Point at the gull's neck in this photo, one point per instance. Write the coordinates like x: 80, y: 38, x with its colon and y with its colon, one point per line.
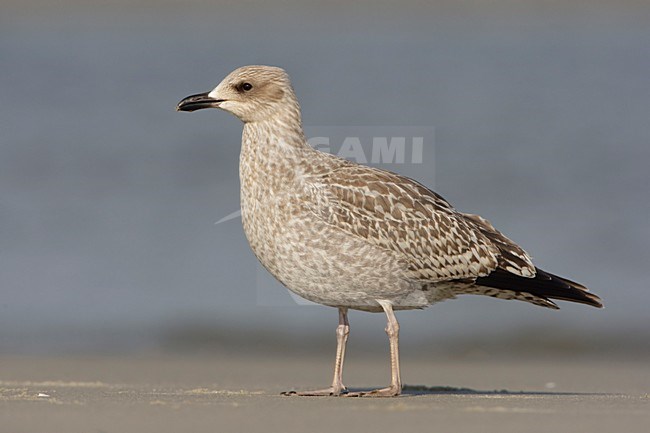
x: 278, y: 139
x: 273, y: 154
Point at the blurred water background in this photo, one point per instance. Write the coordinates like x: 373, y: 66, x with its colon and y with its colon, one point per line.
x: 108, y: 198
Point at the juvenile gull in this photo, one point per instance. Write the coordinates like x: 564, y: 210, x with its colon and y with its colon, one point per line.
x: 351, y: 236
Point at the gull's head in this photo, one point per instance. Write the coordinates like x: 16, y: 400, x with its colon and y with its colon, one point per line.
x: 252, y: 93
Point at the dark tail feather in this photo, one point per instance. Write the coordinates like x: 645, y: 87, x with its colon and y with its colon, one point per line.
x: 544, y: 285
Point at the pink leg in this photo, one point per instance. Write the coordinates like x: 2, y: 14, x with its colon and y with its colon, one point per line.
x: 337, y: 388
x: 392, y: 329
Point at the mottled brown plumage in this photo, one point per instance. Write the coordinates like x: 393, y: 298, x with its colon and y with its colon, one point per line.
x: 351, y: 236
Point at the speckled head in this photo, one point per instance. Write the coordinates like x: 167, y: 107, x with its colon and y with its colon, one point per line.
x: 252, y: 93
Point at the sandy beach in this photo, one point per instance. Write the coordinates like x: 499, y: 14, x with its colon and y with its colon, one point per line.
x: 165, y: 393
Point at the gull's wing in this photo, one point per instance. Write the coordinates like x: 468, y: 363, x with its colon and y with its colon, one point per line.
x: 394, y: 212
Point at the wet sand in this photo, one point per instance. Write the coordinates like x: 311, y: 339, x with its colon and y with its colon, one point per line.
x: 240, y: 393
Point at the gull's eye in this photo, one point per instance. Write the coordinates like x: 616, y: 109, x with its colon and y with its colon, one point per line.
x: 246, y: 87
